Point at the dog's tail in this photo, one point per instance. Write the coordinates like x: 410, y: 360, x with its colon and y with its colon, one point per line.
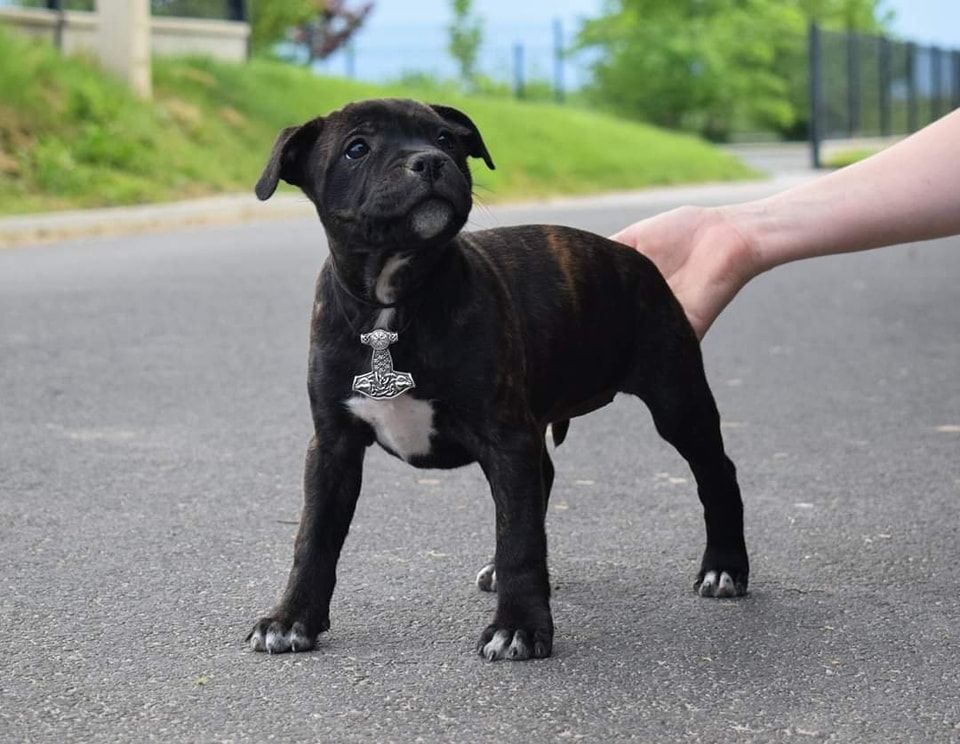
x: 559, y: 431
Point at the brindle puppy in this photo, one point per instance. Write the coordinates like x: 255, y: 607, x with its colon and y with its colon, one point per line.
x: 500, y: 333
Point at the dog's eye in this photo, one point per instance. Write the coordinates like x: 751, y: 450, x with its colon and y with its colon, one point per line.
x: 357, y: 149
x: 445, y: 139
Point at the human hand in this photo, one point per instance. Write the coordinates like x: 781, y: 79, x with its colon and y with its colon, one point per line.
x: 701, y: 253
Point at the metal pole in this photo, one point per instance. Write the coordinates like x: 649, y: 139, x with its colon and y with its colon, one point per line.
x: 518, y: 82
x: 883, y: 50
x: 813, y: 72
x: 936, y: 83
x: 351, y: 55
x: 559, y: 89
x: 911, y: 87
x: 956, y: 80
x: 853, y: 83
x: 57, y: 5
x: 236, y: 10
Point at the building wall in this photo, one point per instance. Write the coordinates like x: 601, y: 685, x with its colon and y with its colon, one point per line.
x: 225, y: 40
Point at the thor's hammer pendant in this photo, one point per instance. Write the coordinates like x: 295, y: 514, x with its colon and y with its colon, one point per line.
x: 382, y: 382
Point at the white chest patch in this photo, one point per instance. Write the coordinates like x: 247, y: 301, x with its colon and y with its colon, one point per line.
x: 403, y: 425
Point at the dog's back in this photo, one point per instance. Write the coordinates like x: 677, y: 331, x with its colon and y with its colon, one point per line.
x: 585, y: 306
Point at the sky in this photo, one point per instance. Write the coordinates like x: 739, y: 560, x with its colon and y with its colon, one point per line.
x: 925, y: 21
x: 411, y: 34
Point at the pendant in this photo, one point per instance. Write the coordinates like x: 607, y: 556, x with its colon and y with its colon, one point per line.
x: 382, y: 382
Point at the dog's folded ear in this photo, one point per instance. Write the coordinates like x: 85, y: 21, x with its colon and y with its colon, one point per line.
x: 468, y: 132
x: 286, y: 157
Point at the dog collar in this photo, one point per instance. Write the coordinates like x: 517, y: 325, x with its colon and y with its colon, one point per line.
x: 362, y: 300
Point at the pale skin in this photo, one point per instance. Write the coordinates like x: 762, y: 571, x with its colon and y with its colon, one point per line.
x: 907, y: 193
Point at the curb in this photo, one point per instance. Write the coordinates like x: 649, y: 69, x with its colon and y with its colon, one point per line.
x: 240, y: 208
x: 50, y: 227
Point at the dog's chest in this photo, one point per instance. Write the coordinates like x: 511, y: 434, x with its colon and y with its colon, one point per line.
x: 403, y: 425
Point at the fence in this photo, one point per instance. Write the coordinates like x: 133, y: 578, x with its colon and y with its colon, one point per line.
x: 228, y: 10
x: 527, y: 59
x: 72, y: 27
x: 863, y: 85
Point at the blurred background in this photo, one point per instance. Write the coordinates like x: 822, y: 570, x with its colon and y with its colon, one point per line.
x: 225, y: 74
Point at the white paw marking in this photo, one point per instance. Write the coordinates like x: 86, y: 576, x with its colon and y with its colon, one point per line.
x: 496, y: 645
x: 403, y: 425
x: 518, y: 649
x: 487, y: 578
x: 275, y: 642
x: 715, y: 585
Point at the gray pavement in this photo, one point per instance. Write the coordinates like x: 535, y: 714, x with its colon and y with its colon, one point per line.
x: 153, y: 418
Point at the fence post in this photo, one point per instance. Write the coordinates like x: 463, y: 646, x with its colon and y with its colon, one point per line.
x: 236, y: 10
x: 853, y: 82
x: 57, y: 5
x: 814, y: 73
x: 123, y: 41
x: 559, y: 89
x: 883, y: 50
x: 956, y: 79
x: 936, y: 82
x: 518, y: 81
x: 911, y: 87
x: 350, y: 58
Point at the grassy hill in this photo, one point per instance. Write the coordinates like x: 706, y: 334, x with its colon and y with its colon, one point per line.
x: 72, y: 136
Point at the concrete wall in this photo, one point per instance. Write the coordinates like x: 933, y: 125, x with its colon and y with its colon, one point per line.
x: 225, y: 40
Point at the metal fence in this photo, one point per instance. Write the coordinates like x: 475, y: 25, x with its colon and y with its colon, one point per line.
x: 527, y: 59
x: 232, y: 10
x: 873, y: 86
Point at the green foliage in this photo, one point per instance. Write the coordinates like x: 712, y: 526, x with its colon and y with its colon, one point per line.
x: 712, y: 66
x: 466, y: 35
x: 73, y: 136
x: 270, y: 19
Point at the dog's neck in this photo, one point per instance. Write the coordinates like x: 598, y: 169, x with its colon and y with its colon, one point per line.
x: 384, y: 277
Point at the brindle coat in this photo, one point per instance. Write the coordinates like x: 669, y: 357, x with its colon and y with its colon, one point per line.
x: 505, y: 331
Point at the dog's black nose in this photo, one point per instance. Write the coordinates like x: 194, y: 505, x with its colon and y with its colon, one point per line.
x: 427, y: 164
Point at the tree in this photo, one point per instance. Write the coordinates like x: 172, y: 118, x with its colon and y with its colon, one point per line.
x: 466, y: 35
x: 711, y: 66
x: 322, y: 25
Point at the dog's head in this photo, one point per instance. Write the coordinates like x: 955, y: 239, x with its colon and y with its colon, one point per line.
x: 381, y: 173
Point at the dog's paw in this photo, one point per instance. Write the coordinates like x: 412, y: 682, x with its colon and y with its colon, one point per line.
x: 721, y: 584
x: 514, y: 644
x: 276, y: 636
x: 487, y: 579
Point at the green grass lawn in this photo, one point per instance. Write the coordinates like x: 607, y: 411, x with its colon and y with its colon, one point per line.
x: 71, y: 136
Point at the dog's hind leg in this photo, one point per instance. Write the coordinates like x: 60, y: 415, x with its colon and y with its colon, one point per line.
x: 487, y: 576
x: 674, y: 387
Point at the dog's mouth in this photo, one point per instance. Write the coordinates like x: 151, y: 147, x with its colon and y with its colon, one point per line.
x: 431, y: 217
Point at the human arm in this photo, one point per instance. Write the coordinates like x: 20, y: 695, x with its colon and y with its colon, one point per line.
x: 908, y: 192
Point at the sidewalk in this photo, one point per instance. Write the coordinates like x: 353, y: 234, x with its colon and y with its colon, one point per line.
x: 238, y: 208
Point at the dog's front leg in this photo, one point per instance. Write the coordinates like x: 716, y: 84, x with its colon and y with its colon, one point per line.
x: 522, y: 627
x: 331, y: 486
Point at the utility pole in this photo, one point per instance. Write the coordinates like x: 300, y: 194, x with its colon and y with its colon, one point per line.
x: 123, y: 41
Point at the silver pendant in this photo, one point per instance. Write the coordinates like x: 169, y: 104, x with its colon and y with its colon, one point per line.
x: 382, y: 382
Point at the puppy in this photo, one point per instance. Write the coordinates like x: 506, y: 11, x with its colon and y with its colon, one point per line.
x: 447, y: 348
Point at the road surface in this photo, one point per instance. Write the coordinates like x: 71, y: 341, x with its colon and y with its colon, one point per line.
x: 153, y: 420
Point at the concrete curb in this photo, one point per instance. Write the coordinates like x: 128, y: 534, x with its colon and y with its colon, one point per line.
x: 82, y: 223
x: 238, y: 208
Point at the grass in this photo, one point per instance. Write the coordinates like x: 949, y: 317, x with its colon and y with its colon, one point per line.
x: 72, y: 136
x: 843, y: 158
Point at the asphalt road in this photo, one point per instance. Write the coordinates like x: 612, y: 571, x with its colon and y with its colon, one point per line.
x: 153, y: 419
